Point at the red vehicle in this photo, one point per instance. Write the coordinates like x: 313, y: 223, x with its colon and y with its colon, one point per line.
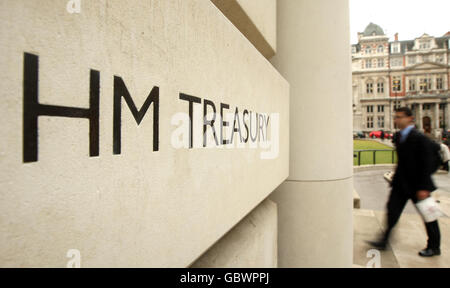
x: 377, y: 134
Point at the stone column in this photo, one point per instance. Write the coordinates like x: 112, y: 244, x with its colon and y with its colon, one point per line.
x: 436, y: 119
x: 419, y: 120
x: 447, y: 116
x: 315, y: 202
x: 391, y: 116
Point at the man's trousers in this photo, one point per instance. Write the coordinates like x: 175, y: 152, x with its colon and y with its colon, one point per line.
x: 396, y: 204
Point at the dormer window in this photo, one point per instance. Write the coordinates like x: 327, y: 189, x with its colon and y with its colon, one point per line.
x: 424, y: 45
x: 395, y: 48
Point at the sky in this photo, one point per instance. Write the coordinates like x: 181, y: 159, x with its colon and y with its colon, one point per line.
x: 409, y: 18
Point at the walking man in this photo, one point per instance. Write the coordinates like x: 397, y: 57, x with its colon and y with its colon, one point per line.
x: 412, y: 179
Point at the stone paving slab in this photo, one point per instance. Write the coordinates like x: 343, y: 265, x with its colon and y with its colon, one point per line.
x: 367, y: 227
x: 409, y: 236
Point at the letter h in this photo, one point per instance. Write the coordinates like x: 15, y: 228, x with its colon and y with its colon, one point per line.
x: 32, y: 110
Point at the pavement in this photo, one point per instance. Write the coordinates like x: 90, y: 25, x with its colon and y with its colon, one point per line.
x: 409, y: 236
x: 387, y: 142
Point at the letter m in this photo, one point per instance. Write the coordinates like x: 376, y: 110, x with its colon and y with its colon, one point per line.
x: 120, y: 90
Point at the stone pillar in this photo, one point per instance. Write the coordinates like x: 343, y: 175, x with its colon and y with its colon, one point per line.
x: 419, y: 117
x: 436, y: 119
x: 447, y: 116
x: 315, y: 202
x: 391, y: 116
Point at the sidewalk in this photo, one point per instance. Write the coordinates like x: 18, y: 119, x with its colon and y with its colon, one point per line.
x: 409, y: 236
x: 387, y: 142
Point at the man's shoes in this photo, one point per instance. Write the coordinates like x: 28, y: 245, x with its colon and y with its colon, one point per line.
x: 381, y: 245
x: 428, y: 252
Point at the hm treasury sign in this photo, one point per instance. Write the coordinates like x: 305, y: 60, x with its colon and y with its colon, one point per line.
x: 137, y: 132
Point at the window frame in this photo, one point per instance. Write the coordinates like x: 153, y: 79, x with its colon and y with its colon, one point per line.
x: 380, y: 87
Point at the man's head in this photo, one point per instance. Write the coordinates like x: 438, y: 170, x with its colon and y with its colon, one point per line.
x: 403, y: 117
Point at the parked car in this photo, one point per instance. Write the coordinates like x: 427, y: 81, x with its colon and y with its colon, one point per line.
x: 377, y: 134
x: 358, y: 135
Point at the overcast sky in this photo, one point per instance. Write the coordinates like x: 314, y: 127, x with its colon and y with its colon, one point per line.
x: 410, y: 18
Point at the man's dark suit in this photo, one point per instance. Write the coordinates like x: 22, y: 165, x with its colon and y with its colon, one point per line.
x: 413, y: 174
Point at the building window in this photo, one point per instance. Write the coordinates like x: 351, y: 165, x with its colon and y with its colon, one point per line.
x: 412, y: 85
x: 368, y: 50
x: 380, y: 87
x: 395, y: 48
x: 369, y: 122
x: 426, y: 58
x: 439, y: 84
x: 397, y: 104
x: 380, y: 122
x: 370, y: 109
x: 425, y: 85
x: 369, y: 63
x: 396, y: 62
x: 426, y: 107
x: 380, y: 63
x: 412, y: 60
x: 424, y: 45
x: 380, y: 49
x: 396, y: 84
x: 369, y: 88
x: 440, y: 58
x: 380, y: 108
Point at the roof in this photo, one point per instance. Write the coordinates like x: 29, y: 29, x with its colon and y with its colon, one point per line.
x: 373, y: 30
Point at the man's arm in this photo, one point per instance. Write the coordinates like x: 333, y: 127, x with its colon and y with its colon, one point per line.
x: 425, y: 167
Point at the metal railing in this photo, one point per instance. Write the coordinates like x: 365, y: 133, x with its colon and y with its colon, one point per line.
x: 357, y: 154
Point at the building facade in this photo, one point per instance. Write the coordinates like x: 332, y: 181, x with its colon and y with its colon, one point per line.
x: 389, y: 74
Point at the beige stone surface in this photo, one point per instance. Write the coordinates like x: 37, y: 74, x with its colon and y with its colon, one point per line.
x: 256, y: 19
x: 315, y: 204
x: 252, y: 243
x: 367, y: 228
x: 314, y: 227
x: 320, y: 81
x: 140, y: 208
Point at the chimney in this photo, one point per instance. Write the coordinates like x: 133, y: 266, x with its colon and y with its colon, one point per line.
x: 359, y: 36
x: 396, y: 36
